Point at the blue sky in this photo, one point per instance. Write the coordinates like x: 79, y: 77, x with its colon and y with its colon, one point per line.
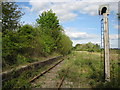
x: 80, y: 20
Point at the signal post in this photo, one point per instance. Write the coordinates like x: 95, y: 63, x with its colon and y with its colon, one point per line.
x: 104, y: 11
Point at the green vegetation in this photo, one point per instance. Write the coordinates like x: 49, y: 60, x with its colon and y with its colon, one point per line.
x: 85, y: 70
x: 17, y: 43
x: 21, y: 80
x: 64, y: 45
x: 22, y: 44
x: 56, y: 40
x: 11, y: 15
x: 88, y: 47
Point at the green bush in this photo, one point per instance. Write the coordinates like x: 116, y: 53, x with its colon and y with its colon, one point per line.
x: 17, y: 42
x: 64, y: 44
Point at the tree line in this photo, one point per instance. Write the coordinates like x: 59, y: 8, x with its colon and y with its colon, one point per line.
x: 88, y: 47
x: 22, y: 42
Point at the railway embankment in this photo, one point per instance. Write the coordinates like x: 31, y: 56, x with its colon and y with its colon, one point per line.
x: 7, y: 75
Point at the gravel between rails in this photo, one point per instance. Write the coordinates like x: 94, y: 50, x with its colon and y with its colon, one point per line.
x: 50, y: 79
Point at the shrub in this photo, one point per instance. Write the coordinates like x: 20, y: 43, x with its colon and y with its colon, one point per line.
x: 17, y: 42
x: 64, y: 44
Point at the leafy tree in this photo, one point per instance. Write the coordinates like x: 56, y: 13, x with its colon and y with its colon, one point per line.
x: 48, y: 19
x: 50, y: 27
x: 49, y: 23
x: 11, y: 15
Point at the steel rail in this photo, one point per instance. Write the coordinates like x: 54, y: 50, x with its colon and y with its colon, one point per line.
x: 44, y: 72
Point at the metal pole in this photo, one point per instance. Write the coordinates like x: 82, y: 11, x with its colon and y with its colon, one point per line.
x: 106, y: 48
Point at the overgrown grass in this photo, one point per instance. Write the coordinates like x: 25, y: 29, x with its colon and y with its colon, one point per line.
x: 22, y: 81
x: 22, y: 60
x: 85, y: 70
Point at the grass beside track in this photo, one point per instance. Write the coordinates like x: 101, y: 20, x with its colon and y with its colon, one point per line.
x: 22, y: 81
x: 25, y: 61
x: 85, y: 70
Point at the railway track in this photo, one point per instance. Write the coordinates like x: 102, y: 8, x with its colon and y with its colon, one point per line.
x: 49, y: 69
x: 44, y: 72
x: 61, y: 82
x: 63, y: 78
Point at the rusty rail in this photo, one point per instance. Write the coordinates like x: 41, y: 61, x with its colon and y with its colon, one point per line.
x: 62, y: 80
x: 44, y: 72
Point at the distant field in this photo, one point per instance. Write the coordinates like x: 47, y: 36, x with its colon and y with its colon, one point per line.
x: 85, y: 70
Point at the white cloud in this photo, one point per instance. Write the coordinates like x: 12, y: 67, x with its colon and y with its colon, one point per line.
x: 117, y: 27
x: 37, y: 6
x: 26, y: 8
x: 62, y: 0
x: 75, y: 0
x: 81, y: 37
x: 61, y: 9
x: 67, y: 17
x: 65, y: 10
x: 114, y: 36
x: 75, y: 34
